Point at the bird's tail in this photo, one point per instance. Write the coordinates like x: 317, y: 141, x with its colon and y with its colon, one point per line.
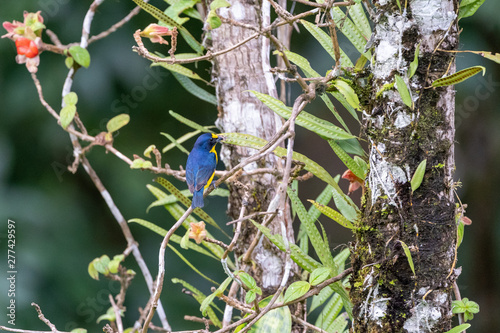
x: 198, y: 199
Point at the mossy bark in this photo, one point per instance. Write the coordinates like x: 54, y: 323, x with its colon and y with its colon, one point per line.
x: 387, y: 296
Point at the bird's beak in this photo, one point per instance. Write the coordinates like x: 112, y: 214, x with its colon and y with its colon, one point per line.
x: 220, y: 138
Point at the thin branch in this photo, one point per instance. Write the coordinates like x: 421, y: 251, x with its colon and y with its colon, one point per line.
x: 42, y: 318
x: 142, y: 51
x: 161, y: 268
x: 116, y: 26
x: 117, y: 312
x: 308, y: 325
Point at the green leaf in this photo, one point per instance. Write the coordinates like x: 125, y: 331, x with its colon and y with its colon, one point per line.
x: 187, y: 262
x: 418, y: 176
x: 179, y: 69
x: 306, y: 120
x: 348, y: 161
x: 459, y: 328
x: 339, y: 324
x: 460, y: 232
x: 93, y: 271
x: 186, y: 202
x: 326, y: 42
x: 174, y: 238
x: 67, y: 115
x: 468, y: 8
x: 334, y: 215
x: 247, y: 280
x: 322, y: 250
x: 249, y: 141
x: 250, y: 296
x: 458, y: 77
x: 178, y: 7
x: 216, y: 4
x: 414, y: 63
x: 177, y: 144
x: 80, y: 55
x: 199, y: 297
x: 79, y: 330
x: 69, y: 63
x: 346, y: 90
x: 185, y: 240
x: 117, y: 122
x: 358, y: 16
x: 109, y: 316
x: 209, y: 299
x: 139, y: 163
x: 321, y: 298
x: 330, y: 312
x: 408, y: 256
x: 277, y: 320
x: 345, y: 204
x: 298, y: 256
x: 350, y: 30
x: 303, y: 63
x: 189, y: 123
x: 70, y: 98
x: 180, y: 140
x: 323, y: 199
x: 403, y: 91
x: 319, y: 275
x: 160, y: 16
x: 194, y: 89
x: 296, y: 290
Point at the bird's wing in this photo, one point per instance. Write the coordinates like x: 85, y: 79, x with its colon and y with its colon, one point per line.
x: 190, y: 170
x: 205, y: 171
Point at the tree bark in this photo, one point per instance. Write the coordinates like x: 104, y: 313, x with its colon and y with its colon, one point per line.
x: 387, y: 296
x: 248, y: 68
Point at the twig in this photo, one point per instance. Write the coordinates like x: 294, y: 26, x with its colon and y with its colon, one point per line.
x: 161, y: 268
x: 308, y: 325
x: 116, y: 26
x: 456, y: 291
x: 248, y: 217
x: 117, y: 312
x: 42, y: 318
x: 142, y: 51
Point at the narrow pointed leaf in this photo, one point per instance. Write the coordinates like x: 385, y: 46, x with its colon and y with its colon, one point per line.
x: 322, y: 250
x: 194, y: 89
x: 418, y: 176
x: 458, y: 77
x: 177, y: 144
x: 408, y: 256
x: 358, y: 16
x: 334, y: 215
x: 180, y: 70
x: 180, y: 140
x: 349, y: 94
x: 250, y: 141
x: 329, y: 312
x: 306, y: 120
x: 403, y: 91
x: 189, y: 123
x: 348, y: 161
x: 350, y: 30
x: 193, y: 267
x: 326, y: 42
x: 459, y: 328
x: 414, y: 63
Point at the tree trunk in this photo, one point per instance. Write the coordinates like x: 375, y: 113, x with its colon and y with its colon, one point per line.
x: 387, y: 296
x: 248, y: 68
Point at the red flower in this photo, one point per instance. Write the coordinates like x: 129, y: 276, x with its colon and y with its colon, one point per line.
x: 155, y: 32
x: 26, y: 47
x: 355, y: 181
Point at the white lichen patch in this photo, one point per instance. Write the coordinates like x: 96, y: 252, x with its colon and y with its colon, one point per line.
x: 388, y: 51
x: 384, y: 175
x: 403, y: 119
x: 426, y: 314
x: 432, y: 15
x: 374, y: 308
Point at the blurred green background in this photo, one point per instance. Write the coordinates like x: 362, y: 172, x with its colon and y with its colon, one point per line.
x: 62, y: 222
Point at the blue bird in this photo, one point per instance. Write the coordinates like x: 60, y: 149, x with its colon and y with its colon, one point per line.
x: 200, y: 166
